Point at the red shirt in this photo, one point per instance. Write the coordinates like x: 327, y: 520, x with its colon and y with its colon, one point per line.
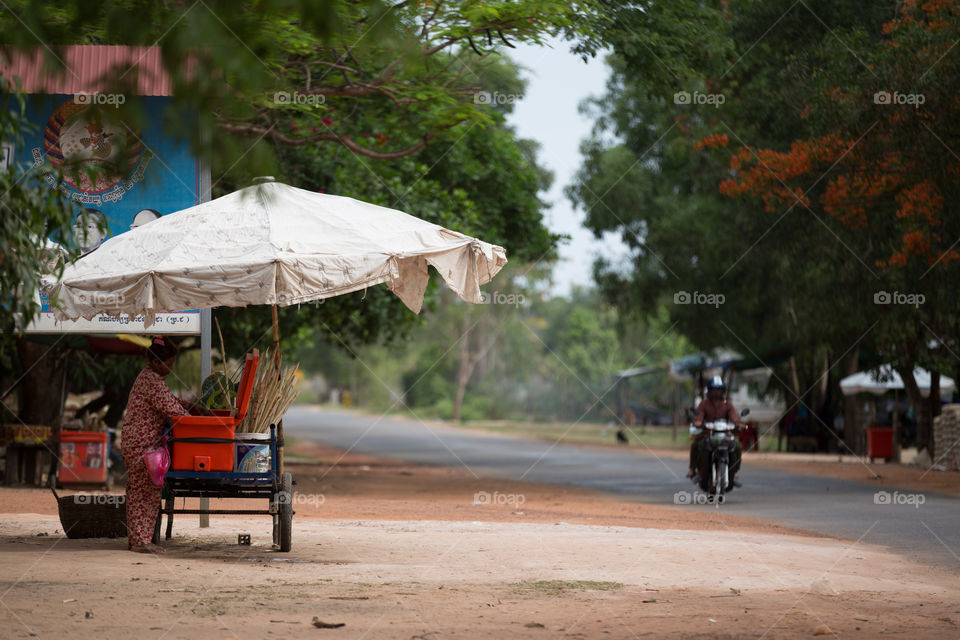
x: 708, y: 412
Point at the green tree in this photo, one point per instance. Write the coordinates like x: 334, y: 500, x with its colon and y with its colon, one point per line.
x: 881, y: 129
x: 32, y: 214
x: 765, y: 280
x: 303, y: 73
x: 479, y: 181
x: 377, y: 80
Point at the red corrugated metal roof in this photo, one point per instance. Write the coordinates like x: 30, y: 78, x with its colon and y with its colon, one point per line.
x: 88, y: 68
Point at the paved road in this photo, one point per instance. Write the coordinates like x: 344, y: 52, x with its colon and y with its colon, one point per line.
x: 929, y: 532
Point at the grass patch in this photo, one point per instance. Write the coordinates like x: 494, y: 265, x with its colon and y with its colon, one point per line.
x: 640, y: 437
x: 560, y: 587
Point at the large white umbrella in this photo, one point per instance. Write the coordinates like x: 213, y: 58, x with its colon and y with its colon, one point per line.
x: 886, y: 379
x: 270, y: 244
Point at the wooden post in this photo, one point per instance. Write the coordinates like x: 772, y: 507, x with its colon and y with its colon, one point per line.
x: 896, y: 426
x: 676, y: 409
x: 276, y: 358
x: 13, y: 465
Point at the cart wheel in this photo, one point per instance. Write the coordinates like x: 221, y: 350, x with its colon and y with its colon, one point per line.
x: 286, y: 513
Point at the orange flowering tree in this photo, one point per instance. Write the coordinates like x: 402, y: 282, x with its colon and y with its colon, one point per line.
x: 804, y: 173
x: 892, y: 156
x: 882, y: 171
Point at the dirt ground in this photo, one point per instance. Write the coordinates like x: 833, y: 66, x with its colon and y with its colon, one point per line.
x: 393, y: 550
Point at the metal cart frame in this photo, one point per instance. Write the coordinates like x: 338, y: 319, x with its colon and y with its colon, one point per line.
x: 275, y: 486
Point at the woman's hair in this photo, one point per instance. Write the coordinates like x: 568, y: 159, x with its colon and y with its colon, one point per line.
x: 161, y: 349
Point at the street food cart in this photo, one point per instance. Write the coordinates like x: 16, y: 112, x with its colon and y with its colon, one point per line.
x: 270, y: 244
x: 209, y: 459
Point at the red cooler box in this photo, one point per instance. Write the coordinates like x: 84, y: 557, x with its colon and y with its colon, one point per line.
x: 83, y: 457
x: 195, y: 446
x: 202, y: 456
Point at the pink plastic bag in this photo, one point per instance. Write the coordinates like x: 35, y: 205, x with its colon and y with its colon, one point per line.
x: 158, y: 463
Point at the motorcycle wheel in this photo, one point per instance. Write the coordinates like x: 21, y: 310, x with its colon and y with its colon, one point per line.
x: 718, y: 485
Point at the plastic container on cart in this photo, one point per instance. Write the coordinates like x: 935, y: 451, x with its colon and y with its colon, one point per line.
x: 83, y: 457
x: 205, y: 443
x: 203, y: 456
x: 252, y: 453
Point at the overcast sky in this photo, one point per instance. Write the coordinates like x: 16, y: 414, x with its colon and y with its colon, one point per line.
x: 557, y: 81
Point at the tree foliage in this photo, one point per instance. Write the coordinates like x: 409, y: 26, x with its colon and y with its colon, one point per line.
x: 338, y: 96
x: 32, y: 213
x: 282, y: 79
x: 304, y: 73
x: 481, y: 181
x: 522, y: 354
x: 744, y: 187
x: 878, y: 152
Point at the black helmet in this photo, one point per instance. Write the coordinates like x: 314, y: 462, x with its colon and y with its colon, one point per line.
x: 716, y: 382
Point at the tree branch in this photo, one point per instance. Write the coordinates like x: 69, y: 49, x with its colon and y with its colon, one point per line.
x: 345, y: 140
x: 426, y: 23
x: 443, y: 45
x: 333, y: 65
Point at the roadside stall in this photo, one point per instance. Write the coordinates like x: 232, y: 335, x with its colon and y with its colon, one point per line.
x: 27, y: 453
x: 266, y: 244
x: 226, y: 455
x: 883, y: 442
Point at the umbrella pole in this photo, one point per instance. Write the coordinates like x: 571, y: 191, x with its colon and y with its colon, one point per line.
x: 276, y: 333
x: 276, y: 361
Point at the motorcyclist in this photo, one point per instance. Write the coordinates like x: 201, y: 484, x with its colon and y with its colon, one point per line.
x: 714, y: 407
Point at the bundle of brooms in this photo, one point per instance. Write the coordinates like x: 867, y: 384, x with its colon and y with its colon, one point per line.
x: 273, y: 393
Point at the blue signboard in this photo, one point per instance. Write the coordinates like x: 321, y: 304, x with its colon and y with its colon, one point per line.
x: 163, y: 176
x: 78, y: 134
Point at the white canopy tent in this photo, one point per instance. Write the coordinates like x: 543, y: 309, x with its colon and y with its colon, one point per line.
x: 270, y: 244
x: 886, y: 379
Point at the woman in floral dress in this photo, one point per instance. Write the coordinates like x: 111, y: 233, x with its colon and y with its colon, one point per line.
x: 150, y: 404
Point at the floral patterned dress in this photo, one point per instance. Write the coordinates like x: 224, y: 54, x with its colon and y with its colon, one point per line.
x: 150, y: 404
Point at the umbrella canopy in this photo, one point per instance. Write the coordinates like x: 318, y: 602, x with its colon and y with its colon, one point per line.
x: 870, y: 382
x: 270, y: 244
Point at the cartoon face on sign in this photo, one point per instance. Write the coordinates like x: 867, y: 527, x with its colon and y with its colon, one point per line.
x: 88, y: 144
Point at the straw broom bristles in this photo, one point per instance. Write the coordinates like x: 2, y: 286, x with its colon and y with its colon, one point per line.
x: 273, y: 393
x: 226, y: 376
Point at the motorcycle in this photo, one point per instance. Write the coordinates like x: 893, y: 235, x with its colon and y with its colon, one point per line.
x: 718, y: 448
